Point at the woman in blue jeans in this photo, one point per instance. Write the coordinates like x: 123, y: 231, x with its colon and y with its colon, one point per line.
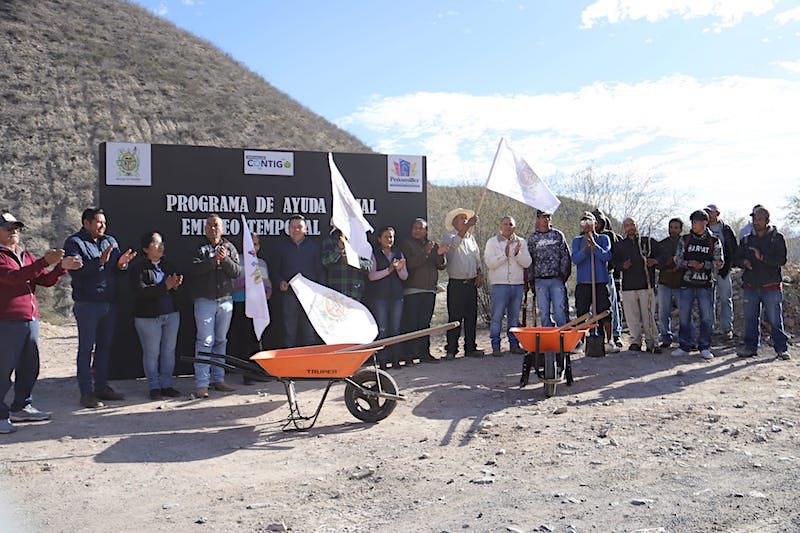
x: 156, y: 317
x: 385, y: 293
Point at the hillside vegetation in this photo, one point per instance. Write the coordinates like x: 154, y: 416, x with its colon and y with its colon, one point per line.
x: 76, y: 73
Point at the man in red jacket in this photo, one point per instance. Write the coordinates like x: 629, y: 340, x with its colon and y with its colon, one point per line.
x: 20, y: 273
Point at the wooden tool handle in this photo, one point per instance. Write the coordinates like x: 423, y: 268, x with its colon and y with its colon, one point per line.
x: 575, y: 322
x: 388, y: 341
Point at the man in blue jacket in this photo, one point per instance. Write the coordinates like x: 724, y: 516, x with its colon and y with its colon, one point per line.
x: 592, y: 249
x: 94, y: 291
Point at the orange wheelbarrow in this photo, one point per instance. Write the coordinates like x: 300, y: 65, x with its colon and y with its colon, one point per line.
x: 370, y: 393
x: 549, y: 348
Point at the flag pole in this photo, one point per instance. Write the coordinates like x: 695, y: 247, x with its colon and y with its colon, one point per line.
x: 483, y: 194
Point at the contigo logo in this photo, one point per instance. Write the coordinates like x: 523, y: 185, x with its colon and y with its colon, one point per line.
x: 269, y: 163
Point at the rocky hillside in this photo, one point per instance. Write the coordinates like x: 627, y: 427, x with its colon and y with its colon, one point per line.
x: 76, y: 73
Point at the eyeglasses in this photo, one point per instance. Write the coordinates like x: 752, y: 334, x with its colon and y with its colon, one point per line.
x: 157, y: 244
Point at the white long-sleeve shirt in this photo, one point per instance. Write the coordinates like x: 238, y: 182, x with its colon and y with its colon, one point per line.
x: 506, y: 269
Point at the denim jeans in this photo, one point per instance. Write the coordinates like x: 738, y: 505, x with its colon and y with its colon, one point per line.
x: 506, y: 301
x: 19, y: 353
x: 158, y: 337
x: 417, y: 313
x: 212, y: 318
x: 771, y: 302
x: 688, y: 296
x: 388, y: 314
x: 723, y: 296
x: 96, y: 321
x: 665, y: 325
x: 551, y: 294
x: 613, y: 297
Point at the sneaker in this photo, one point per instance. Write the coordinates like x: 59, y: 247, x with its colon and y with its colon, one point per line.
x: 679, y: 352
x: 519, y: 350
x: 612, y: 347
x: 221, y: 386
x: 169, y: 392
x: 155, y: 394
x: 476, y: 353
x: 728, y: 335
x: 6, y: 426
x: 428, y: 358
x: 747, y: 353
x: 497, y: 353
x: 108, y: 394
x: 617, y: 342
x: 201, y: 392
x: 29, y: 414
x: 90, y: 401
x: 635, y: 347
x: 666, y: 345
x: 783, y: 356
x: 706, y: 354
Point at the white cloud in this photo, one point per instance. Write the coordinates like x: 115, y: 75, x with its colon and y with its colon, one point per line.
x: 729, y: 12
x: 791, y: 66
x: 792, y: 15
x: 728, y: 140
x: 162, y: 10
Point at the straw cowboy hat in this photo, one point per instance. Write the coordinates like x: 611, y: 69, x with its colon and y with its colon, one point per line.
x: 448, y: 219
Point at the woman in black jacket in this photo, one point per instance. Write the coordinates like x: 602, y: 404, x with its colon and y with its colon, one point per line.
x: 154, y: 281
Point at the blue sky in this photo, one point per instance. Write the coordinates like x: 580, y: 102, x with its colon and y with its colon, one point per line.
x: 702, y: 93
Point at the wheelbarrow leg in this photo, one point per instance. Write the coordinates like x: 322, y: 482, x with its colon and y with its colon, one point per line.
x: 527, y: 363
x: 568, y: 368
x: 295, y: 416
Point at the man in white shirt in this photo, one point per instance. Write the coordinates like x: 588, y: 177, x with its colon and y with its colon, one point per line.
x: 506, y: 256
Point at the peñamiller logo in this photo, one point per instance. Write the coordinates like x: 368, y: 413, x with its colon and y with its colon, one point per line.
x: 404, y: 173
x: 269, y: 163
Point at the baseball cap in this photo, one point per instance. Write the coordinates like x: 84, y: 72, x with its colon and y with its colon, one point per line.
x: 539, y: 213
x: 711, y: 207
x: 8, y: 221
x: 757, y: 206
x: 588, y: 216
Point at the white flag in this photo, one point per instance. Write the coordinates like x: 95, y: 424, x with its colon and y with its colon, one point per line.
x: 512, y: 176
x: 255, y: 304
x: 337, y: 318
x: 347, y: 216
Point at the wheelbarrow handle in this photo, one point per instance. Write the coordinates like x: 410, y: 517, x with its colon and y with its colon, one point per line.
x: 592, y: 320
x: 576, y: 321
x: 388, y: 341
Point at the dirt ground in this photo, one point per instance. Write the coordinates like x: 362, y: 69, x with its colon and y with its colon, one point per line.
x: 639, y: 442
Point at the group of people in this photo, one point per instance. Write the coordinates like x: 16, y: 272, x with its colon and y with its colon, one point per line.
x: 649, y: 277
x: 398, y: 282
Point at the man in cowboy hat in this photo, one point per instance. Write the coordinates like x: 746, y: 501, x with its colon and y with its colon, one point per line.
x: 464, y: 269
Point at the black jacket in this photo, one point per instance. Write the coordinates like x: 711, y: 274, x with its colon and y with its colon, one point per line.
x: 147, y: 294
x: 637, y: 277
x: 214, y: 280
x: 766, y: 272
x: 729, y: 248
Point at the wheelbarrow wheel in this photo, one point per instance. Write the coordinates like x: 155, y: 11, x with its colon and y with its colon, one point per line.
x: 366, y: 407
